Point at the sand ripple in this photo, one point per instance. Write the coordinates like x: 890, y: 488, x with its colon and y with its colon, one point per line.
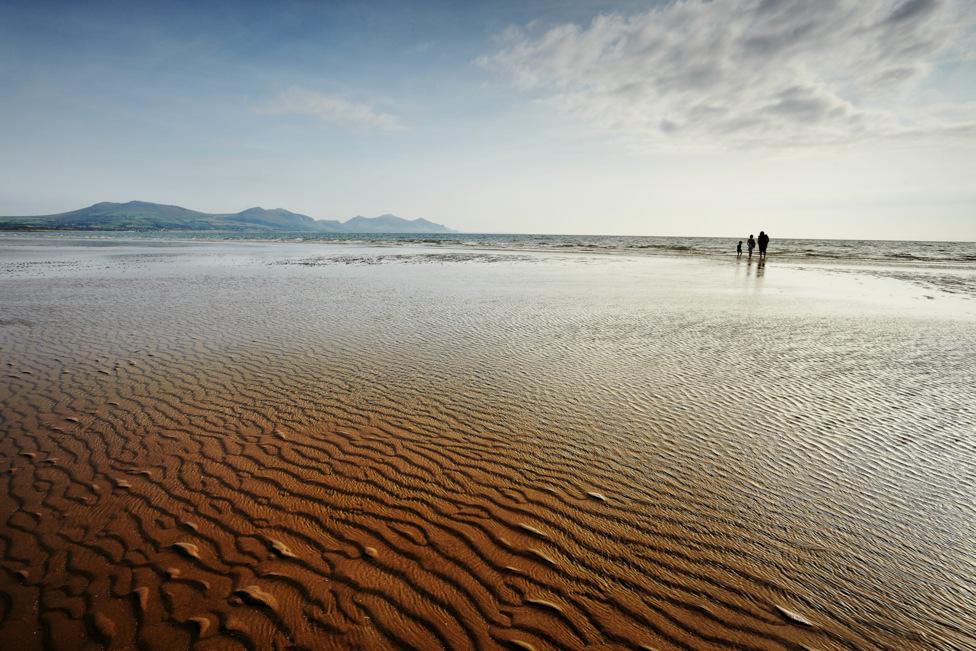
x: 289, y: 458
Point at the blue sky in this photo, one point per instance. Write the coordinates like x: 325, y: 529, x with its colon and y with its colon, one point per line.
x: 836, y: 118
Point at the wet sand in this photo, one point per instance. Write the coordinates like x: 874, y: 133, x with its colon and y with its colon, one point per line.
x: 225, y: 446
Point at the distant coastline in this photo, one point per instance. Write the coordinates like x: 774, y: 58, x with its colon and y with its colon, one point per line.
x: 147, y: 216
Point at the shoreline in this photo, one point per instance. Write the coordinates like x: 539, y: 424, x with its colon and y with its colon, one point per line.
x: 413, y: 241
x: 952, y: 279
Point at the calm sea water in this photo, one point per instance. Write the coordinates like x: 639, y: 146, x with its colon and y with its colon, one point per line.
x: 888, y: 251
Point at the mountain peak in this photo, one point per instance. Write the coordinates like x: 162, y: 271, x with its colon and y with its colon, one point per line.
x: 389, y: 223
x: 144, y: 215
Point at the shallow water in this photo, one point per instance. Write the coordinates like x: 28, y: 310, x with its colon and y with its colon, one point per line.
x: 813, y: 250
x: 248, y: 445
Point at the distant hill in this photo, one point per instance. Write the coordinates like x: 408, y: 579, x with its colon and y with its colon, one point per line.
x: 392, y: 224
x: 145, y: 216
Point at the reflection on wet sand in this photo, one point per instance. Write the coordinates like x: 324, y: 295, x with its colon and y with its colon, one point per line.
x: 754, y: 267
x: 760, y: 267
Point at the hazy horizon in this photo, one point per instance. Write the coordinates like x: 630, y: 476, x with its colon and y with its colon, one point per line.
x: 732, y: 238
x: 839, y: 120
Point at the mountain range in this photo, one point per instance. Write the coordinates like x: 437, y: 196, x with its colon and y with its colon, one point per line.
x: 145, y: 216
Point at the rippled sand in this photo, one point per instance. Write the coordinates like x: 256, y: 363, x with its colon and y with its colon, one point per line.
x: 309, y: 446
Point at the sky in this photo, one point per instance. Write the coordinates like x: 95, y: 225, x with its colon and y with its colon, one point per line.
x: 834, y: 118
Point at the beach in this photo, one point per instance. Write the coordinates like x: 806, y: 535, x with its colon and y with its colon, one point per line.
x: 225, y: 445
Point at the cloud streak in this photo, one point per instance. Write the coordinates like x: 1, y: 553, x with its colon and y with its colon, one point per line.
x: 744, y: 72
x: 328, y: 108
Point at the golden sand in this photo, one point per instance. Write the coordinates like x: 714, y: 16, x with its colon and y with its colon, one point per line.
x: 204, y: 448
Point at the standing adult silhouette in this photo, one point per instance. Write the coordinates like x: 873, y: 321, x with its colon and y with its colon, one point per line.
x: 763, y: 243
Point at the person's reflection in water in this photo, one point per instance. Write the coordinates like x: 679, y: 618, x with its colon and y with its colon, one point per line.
x: 761, y: 268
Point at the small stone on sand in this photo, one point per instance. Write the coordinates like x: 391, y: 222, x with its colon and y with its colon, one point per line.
x: 545, y: 604
x: 104, y: 626
x: 281, y: 549
x: 187, y: 549
x: 793, y: 616
x: 142, y: 597
x: 255, y: 596
x: 531, y: 529
x: 202, y: 624
x: 538, y: 553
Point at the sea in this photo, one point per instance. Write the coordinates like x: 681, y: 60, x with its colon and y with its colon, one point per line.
x: 811, y: 250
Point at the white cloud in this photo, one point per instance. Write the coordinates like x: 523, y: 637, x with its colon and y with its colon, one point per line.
x: 299, y: 101
x: 746, y: 72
